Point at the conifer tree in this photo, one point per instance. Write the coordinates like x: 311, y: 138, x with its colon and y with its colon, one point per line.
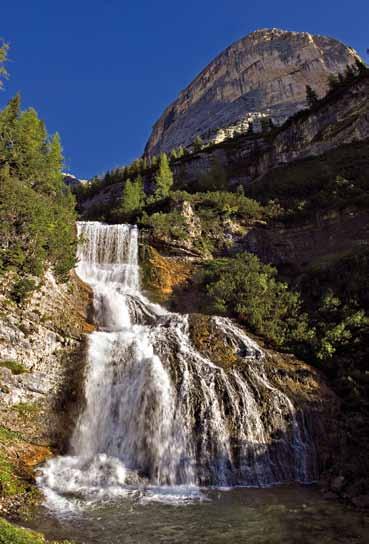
x: 37, y: 212
x: 133, y: 197
x: 55, y: 158
x: 198, y: 144
x: 163, y: 178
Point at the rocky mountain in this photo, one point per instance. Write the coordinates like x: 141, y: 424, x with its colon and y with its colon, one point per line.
x: 340, y: 119
x: 263, y: 74
x: 71, y: 180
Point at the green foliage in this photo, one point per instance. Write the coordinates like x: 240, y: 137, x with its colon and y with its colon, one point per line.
x: 163, y: 179
x: 337, y: 300
x: 21, y: 289
x: 10, y: 484
x: 211, y: 209
x: 37, y: 212
x: 198, y: 144
x: 231, y: 204
x: 133, y: 198
x: 26, y: 409
x: 165, y: 225
x: 246, y: 288
x: 15, y: 367
x: 334, y: 180
x: 11, y: 534
x: 337, y: 87
x: 177, y: 153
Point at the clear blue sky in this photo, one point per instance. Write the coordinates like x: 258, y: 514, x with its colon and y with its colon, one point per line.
x: 101, y: 71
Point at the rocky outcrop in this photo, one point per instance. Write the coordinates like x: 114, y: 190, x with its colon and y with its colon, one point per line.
x: 324, y: 238
x: 41, y: 379
x: 41, y: 345
x: 266, y: 72
x: 342, y: 120
x: 162, y: 275
x: 72, y: 181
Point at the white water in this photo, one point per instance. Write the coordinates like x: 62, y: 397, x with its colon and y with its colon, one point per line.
x: 160, y: 418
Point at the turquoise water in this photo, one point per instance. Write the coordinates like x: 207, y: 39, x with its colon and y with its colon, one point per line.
x: 288, y: 515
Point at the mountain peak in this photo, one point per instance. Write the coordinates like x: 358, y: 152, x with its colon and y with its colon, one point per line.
x: 263, y: 74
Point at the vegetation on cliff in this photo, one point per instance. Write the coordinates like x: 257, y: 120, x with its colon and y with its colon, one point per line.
x: 334, y: 180
x: 37, y: 211
x: 249, y: 290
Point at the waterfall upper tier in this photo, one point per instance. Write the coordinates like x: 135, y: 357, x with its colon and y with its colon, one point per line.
x: 158, y: 410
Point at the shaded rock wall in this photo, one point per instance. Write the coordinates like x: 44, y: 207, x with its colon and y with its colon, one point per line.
x: 245, y: 159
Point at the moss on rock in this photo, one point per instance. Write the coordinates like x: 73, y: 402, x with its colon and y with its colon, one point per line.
x: 12, y: 534
x: 15, y: 367
x: 162, y: 275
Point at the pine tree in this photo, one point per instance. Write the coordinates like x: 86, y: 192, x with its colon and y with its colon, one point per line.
x: 133, y: 197
x: 180, y: 152
x: 163, y: 179
x: 55, y: 158
x: 37, y: 212
x: 312, y: 97
x: 177, y: 153
x: 198, y: 144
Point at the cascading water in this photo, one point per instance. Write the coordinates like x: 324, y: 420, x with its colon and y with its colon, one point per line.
x: 160, y: 413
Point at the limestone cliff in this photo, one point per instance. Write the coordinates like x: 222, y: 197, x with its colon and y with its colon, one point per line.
x: 341, y: 120
x: 41, y: 377
x: 264, y: 73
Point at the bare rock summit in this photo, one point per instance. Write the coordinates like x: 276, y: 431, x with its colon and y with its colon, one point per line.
x: 265, y: 73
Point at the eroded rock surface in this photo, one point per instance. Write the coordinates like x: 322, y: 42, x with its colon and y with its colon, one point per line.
x: 264, y: 73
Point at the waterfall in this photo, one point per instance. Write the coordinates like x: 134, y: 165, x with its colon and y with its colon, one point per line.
x: 160, y: 413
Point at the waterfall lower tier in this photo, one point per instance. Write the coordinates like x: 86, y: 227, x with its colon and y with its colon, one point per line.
x: 158, y: 411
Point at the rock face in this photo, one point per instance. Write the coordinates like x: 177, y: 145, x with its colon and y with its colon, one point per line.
x: 264, y: 73
x: 343, y: 120
x: 41, y: 358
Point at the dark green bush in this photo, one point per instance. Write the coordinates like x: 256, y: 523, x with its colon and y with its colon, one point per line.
x: 249, y: 290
